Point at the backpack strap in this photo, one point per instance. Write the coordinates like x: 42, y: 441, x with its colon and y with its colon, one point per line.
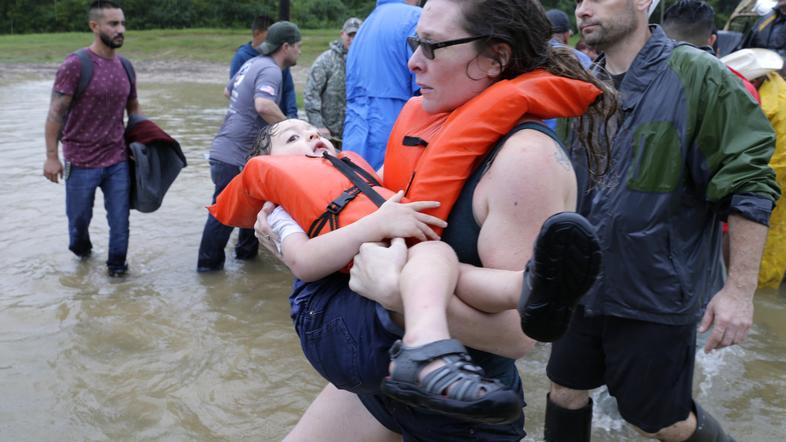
x: 85, y: 71
x: 129, y: 70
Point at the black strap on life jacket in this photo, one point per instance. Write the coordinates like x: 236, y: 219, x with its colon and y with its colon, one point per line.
x: 362, y: 182
x: 414, y: 141
x: 351, y: 171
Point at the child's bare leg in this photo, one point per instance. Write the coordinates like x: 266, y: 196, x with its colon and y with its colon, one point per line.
x: 427, y: 283
x: 429, y: 369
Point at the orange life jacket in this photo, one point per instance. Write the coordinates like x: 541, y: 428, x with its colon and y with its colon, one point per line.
x: 431, y: 156
x: 308, y: 188
x: 317, y: 195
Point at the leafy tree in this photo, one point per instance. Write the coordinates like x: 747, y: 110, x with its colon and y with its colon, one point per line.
x: 25, y: 16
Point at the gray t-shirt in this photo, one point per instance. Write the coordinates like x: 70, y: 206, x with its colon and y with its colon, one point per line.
x: 258, y: 77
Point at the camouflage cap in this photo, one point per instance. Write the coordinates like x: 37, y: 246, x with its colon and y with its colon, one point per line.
x: 351, y: 25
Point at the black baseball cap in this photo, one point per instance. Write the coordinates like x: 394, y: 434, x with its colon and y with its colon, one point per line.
x: 279, y: 33
x: 559, y: 21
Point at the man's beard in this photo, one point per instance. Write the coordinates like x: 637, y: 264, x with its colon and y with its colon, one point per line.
x: 612, y: 32
x: 109, y: 42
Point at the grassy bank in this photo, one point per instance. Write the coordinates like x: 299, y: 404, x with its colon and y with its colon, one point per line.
x: 202, y: 45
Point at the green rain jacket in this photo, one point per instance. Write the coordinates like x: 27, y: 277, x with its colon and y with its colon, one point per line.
x: 691, y: 146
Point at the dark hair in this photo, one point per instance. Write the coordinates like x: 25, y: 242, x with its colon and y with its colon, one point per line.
x: 691, y: 21
x: 523, y: 25
x: 261, y: 23
x: 264, y: 141
x: 95, y: 8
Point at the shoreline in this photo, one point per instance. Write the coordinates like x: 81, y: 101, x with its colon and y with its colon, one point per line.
x: 152, y: 71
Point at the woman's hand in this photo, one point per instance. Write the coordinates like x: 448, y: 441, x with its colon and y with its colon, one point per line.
x: 375, y: 273
x: 262, y: 229
x: 405, y: 220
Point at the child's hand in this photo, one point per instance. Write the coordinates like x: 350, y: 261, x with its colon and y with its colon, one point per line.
x: 404, y: 220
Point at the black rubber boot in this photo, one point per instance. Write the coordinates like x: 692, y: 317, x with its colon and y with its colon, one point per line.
x: 564, y: 265
x: 707, y: 428
x: 564, y: 425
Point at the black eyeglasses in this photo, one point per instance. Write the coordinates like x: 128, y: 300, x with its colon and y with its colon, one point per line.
x: 428, y: 47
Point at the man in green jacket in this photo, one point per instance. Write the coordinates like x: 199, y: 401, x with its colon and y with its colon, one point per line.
x: 689, y: 147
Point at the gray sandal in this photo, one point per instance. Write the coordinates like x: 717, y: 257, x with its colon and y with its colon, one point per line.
x: 457, y: 389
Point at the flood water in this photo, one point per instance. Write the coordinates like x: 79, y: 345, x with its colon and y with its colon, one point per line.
x: 168, y: 354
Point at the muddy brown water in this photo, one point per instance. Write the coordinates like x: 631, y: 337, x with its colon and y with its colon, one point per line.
x: 168, y: 354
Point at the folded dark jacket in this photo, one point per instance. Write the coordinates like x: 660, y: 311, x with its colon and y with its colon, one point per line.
x: 156, y: 161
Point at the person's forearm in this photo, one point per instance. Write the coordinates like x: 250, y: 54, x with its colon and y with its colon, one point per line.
x: 489, y: 290
x: 55, y: 120
x: 497, y: 333
x: 747, y: 239
x: 51, y: 135
x: 318, y: 257
x: 133, y: 107
x: 269, y: 111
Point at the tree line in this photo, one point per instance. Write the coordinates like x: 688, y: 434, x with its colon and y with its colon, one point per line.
x: 25, y: 16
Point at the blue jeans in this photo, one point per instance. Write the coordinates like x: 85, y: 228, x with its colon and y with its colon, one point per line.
x: 115, y: 184
x: 216, y: 235
x: 346, y: 339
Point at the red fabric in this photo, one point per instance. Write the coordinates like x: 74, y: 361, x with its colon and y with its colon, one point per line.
x: 748, y: 85
x: 147, y: 132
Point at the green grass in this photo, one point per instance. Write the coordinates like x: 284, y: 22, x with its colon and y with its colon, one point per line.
x: 203, y: 45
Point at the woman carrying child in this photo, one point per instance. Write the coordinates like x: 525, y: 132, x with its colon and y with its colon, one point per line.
x: 462, y: 48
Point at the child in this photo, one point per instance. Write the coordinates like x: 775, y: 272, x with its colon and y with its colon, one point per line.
x: 427, y: 282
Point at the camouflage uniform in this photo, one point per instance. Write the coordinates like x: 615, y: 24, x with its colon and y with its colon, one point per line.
x: 325, y: 95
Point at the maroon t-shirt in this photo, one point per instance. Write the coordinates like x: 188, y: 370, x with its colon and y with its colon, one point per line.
x: 93, y: 133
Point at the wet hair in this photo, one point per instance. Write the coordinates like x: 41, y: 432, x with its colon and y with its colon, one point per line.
x: 690, y: 21
x: 524, y: 27
x: 261, y: 23
x: 95, y: 10
x: 263, y: 144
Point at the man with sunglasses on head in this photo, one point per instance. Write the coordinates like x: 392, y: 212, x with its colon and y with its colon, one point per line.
x: 378, y: 80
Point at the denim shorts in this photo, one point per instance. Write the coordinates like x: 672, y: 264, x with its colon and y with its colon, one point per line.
x: 346, y: 339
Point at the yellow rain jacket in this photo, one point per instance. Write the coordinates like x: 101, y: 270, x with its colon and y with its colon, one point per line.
x: 773, y: 103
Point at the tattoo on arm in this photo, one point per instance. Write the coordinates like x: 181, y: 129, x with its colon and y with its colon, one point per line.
x: 562, y: 158
x: 58, y: 108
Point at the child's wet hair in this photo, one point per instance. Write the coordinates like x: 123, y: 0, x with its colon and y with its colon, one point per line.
x: 264, y: 140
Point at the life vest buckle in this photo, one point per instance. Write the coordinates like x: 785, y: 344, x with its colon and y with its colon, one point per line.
x: 337, y: 205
